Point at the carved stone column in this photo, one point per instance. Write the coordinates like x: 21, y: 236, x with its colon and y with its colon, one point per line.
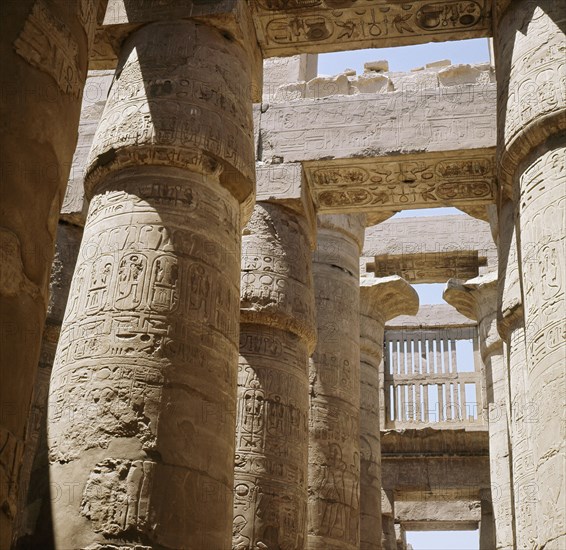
x: 143, y: 393
x: 44, y: 56
x: 334, y: 423
x: 532, y: 147
x: 477, y: 300
x: 380, y: 300
x: 522, y: 414
x: 34, y: 521
x: 277, y: 337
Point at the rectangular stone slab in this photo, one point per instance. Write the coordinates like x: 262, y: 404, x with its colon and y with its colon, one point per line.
x: 287, y: 27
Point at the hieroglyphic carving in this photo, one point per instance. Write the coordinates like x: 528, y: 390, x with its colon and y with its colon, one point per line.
x: 418, y: 182
x: 334, y: 444
x: 543, y: 243
x: 46, y: 43
x: 331, y: 25
x: 413, y: 119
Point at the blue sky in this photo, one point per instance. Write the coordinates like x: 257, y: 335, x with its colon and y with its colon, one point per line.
x: 405, y: 59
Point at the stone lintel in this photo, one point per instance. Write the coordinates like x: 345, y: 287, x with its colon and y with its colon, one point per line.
x: 286, y: 185
x: 408, y: 181
x: 432, y: 267
x: 339, y: 25
x: 427, y: 515
x: 231, y: 17
x: 431, y: 316
x: 413, y: 114
x: 387, y: 297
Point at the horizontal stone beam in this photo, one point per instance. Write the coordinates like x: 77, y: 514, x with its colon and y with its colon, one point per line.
x: 431, y: 234
x: 431, y: 316
x: 432, y: 267
x: 287, y: 27
x: 427, y: 515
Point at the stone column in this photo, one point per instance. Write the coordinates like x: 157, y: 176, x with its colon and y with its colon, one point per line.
x: 143, y: 392
x: 487, y: 523
x: 532, y: 147
x: 388, y: 536
x: 334, y: 423
x: 477, y: 300
x: 277, y: 337
x: 380, y: 300
x: 44, y: 56
x: 34, y: 521
x: 521, y: 413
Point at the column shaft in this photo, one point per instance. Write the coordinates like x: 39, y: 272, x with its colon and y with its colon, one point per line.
x: 334, y: 423
x: 44, y: 56
x: 532, y: 147
x: 277, y: 335
x: 143, y: 393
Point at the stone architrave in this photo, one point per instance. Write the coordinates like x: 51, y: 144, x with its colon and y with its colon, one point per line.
x: 531, y: 67
x: 477, y: 299
x: 143, y: 392
x: 277, y: 337
x: 380, y: 300
x: 337, y: 25
x: 44, y: 57
x: 334, y: 420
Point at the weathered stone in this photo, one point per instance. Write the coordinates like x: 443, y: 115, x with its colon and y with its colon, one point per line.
x: 337, y: 25
x: 334, y: 421
x: 44, y: 56
x: 437, y: 515
x: 285, y: 71
x: 531, y: 69
x: 380, y: 300
x: 477, y: 299
x: 277, y: 336
x: 151, y: 327
x: 381, y: 66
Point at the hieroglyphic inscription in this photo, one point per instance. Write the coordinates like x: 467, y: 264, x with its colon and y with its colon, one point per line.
x: 331, y: 25
x: 47, y: 44
x: 271, y: 435
x: 430, y: 119
x: 418, y: 182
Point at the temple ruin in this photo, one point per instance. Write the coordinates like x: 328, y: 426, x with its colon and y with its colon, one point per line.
x: 210, y: 334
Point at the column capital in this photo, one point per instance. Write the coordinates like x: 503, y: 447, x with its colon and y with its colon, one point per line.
x: 285, y: 184
x: 477, y: 300
x: 167, y: 107
x: 385, y: 298
x: 351, y: 225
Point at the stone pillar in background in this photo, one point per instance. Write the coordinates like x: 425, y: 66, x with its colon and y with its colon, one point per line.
x: 277, y: 337
x: 487, y: 522
x: 44, y: 56
x: 477, y: 300
x: 33, y: 525
x: 334, y: 423
x: 388, y: 536
x: 532, y: 147
x: 380, y: 300
x: 143, y: 391
x: 521, y: 413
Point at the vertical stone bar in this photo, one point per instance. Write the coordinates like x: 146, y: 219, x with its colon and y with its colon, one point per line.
x: 522, y: 415
x: 334, y: 423
x: 388, y: 536
x: 380, y: 300
x: 143, y: 393
x: 277, y: 337
x: 44, y: 56
x: 487, y: 523
x: 477, y: 300
x: 532, y: 146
